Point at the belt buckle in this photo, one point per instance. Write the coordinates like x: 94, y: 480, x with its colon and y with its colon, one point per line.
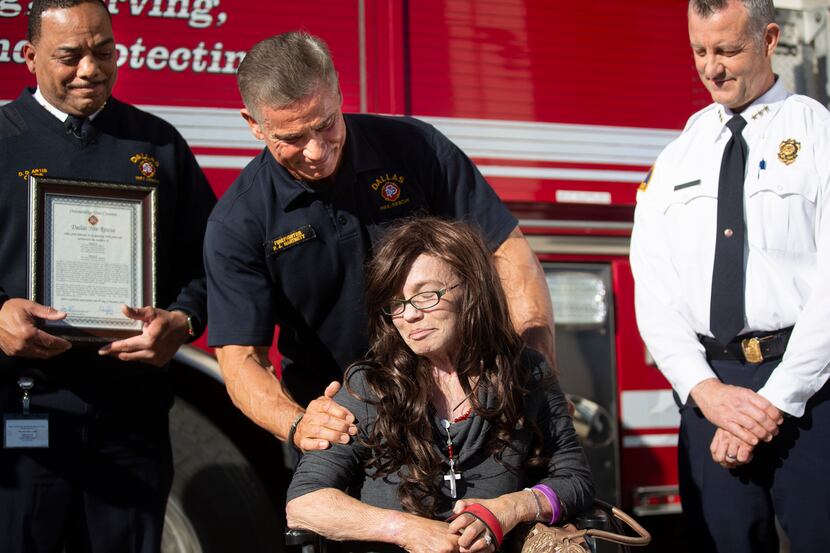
x: 751, y: 348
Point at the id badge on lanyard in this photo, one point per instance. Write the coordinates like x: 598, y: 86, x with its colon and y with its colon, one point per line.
x: 25, y: 430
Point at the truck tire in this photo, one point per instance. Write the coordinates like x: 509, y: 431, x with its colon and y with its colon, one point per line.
x: 217, y: 503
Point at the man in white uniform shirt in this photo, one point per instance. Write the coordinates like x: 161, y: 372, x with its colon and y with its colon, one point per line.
x: 731, y: 259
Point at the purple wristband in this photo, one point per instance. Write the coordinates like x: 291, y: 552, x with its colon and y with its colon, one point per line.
x: 553, y: 499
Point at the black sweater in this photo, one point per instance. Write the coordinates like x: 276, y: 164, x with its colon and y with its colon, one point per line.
x: 122, y: 138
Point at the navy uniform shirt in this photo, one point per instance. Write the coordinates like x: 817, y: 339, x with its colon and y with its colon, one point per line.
x: 278, y: 251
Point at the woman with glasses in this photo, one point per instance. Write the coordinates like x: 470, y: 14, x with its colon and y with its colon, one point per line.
x: 463, y: 433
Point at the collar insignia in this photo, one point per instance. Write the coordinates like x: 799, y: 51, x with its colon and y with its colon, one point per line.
x: 293, y: 238
x: 760, y: 112
x: 788, y: 151
x: 33, y: 172
x: 147, y: 166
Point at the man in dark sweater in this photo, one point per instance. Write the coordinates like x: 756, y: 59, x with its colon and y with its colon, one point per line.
x: 101, y: 480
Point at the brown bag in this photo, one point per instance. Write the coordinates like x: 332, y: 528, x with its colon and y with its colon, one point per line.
x: 570, y: 539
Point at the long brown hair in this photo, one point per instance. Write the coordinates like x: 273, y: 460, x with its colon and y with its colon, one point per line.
x: 489, y: 356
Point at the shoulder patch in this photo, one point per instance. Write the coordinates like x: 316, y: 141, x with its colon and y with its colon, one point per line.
x: 644, y: 185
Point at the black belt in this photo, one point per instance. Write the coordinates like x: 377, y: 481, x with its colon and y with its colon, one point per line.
x: 754, y: 347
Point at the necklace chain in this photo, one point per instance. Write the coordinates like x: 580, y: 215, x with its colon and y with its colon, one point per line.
x: 451, y: 475
x: 457, y: 405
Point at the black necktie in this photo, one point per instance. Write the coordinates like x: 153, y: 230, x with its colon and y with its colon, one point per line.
x: 77, y: 127
x: 726, y: 312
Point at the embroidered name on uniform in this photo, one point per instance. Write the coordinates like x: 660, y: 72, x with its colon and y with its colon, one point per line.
x: 687, y: 185
x: 282, y: 243
x: 34, y: 172
x: 147, y: 166
x: 788, y: 151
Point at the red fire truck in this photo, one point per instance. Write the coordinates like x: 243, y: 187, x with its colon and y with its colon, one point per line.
x: 563, y: 106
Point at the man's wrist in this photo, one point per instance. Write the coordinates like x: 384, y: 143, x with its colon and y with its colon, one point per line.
x: 292, y: 431
x: 701, y: 388
x: 189, y: 325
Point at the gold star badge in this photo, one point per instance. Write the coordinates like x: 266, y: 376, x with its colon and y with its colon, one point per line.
x: 788, y: 151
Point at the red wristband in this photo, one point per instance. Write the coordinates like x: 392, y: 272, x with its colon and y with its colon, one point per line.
x: 487, y: 518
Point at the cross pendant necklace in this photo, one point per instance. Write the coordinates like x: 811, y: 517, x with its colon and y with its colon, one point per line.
x: 451, y: 476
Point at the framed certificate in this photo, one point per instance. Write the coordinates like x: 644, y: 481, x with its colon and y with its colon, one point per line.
x: 92, y: 249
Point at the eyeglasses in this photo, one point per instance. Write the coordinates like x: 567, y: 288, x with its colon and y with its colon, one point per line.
x: 422, y: 300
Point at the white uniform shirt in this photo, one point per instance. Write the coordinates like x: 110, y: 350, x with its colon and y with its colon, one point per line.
x: 787, y: 214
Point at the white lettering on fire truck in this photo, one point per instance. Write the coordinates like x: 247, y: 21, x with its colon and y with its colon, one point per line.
x: 155, y: 58
x: 198, y: 60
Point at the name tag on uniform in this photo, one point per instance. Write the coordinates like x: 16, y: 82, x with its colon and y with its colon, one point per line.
x: 25, y: 431
x: 294, y: 238
x: 687, y: 185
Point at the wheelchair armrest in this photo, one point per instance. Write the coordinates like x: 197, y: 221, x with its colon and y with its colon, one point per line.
x: 296, y: 536
x: 306, y: 540
x: 592, y: 519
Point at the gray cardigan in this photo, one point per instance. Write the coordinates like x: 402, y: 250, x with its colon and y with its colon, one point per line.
x: 342, y: 466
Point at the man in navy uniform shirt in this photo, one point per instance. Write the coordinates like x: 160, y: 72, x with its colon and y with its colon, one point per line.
x: 286, y: 244
x: 101, y: 479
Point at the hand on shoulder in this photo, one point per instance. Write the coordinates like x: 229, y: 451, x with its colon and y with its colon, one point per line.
x: 324, y: 422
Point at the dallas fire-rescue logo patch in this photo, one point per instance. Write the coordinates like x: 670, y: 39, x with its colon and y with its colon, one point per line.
x: 390, y: 187
x: 147, y: 166
x: 93, y: 220
x: 390, y: 192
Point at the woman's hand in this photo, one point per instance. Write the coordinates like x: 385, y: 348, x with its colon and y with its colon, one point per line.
x: 422, y: 535
x: 473, y: 535
x: 510, y: 509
